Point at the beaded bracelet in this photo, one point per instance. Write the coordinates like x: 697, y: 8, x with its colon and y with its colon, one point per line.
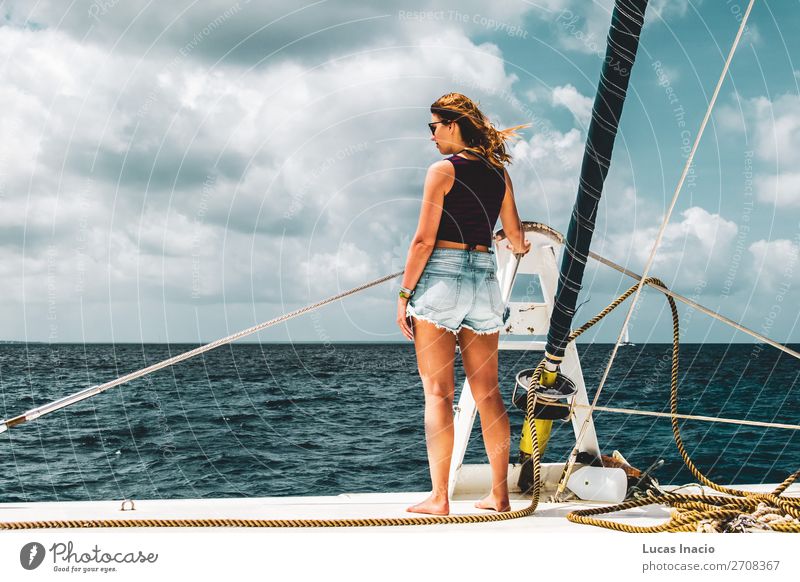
x: 406, y: 293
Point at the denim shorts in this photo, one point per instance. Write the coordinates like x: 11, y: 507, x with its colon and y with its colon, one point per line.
x: 459, y: 288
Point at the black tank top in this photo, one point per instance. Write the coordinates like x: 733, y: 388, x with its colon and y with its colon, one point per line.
x: 472, y: 205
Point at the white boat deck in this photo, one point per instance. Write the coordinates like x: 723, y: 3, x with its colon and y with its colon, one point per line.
x: 528, y: 322
x: 548, y: 518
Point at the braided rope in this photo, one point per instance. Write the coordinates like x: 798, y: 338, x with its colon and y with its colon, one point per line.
x: 700, y: 417
x: 696, y: 512
x: 692, y: 512
x: 302, y: 523
x: 296, y: 523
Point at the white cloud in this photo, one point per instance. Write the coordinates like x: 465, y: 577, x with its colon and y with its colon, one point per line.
x: 728, y: 116
x: 668, y: 8
x: 782, y: 190
x: 776, y: 127
x: 348, y: 267
x: 545, y: 174
x: 579, y: 105
x: 772, y: 129
x: 696, y: 248
x: 235, y: 31
x: 166, y: 180
x: 160, y: 175
x: 776, y: 263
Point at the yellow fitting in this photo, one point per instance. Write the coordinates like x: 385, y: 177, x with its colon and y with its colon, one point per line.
x: 548, y: 378
x: 543, y: 428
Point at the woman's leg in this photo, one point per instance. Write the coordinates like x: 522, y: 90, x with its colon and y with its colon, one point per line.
x: 479, y: 354
x: 435, y: 349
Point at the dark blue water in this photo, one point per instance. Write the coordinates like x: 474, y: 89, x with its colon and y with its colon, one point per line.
x: 275, y: 420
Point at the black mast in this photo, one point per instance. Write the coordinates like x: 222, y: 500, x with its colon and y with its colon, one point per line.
x: 623, y: 41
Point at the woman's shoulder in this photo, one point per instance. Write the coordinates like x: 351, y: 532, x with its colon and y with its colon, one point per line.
x: 444, y: 166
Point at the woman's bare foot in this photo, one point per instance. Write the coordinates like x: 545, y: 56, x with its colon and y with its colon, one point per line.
x: 431, y: 506
x: 490, y: 502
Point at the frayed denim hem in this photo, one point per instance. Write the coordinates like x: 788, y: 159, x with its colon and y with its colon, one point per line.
x: 410, y: 313
x: 482, y: 331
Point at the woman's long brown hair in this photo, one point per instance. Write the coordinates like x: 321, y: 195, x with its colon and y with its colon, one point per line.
x: 481, y: 137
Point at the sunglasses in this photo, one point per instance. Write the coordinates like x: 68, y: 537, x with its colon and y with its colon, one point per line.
x: 432, y: 125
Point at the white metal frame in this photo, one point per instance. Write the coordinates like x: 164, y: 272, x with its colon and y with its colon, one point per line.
x: 531, y: 321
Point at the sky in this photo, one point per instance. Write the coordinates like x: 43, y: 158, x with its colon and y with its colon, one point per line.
x: 179, y: 171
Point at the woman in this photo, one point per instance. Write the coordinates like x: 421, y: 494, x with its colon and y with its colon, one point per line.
x: 450, y: 290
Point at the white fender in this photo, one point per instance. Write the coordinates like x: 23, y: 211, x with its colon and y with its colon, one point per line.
x: 605, y: 484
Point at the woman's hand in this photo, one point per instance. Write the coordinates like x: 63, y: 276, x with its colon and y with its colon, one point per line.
x: 525, y: 249
x: 403, y: 321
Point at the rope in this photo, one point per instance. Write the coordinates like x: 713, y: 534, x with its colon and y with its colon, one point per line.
x: 693, y: 512
x: 637, y: 412
x: 656, y: 244
x: 777, y: 513
x: 543, y: 229
x: 701, y: 308
x: 209, y: 522
x: 737, y: 511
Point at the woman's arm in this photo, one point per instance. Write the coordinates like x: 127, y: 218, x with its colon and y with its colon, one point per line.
x: 438, y: 181
x: 512, y: 226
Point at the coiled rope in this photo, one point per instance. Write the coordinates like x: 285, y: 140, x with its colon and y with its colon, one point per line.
x: 743, y: 509
x: 736, y: 511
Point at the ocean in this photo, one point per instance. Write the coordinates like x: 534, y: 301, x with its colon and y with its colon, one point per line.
x: 322, y: 419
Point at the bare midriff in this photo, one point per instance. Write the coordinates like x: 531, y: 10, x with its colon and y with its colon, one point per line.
x: 448, y: 244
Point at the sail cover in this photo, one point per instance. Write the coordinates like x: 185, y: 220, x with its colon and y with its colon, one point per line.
x: 623, y: 41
